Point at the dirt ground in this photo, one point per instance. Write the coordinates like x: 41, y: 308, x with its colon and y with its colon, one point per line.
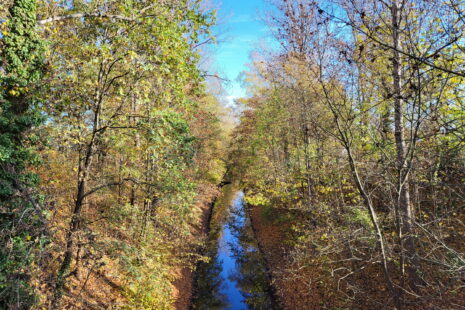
x: 183, y: 289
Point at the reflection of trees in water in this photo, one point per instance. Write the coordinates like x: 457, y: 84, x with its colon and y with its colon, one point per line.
x: 208, y: 282
x: 251, y: 272
x: 207, y: 293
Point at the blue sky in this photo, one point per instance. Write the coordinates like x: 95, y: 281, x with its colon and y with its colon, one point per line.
x: 241, y: 28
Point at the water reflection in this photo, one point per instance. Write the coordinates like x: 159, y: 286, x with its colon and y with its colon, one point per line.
x: 235, y: 278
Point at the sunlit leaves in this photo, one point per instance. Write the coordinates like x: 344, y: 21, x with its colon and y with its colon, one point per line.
x: 124, y: 92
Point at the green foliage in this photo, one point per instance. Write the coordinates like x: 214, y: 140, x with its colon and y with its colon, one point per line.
x: 128, y: 93
x: 358, y: 216
x: 20, y: 223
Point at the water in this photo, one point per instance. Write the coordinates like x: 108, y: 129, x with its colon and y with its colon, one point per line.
x: 235, y: 277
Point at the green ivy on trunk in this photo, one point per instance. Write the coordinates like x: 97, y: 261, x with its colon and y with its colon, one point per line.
x: 20, y: 216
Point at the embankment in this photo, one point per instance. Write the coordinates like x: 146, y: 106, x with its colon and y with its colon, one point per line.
x: 293, y: 285
x: 185, y: 275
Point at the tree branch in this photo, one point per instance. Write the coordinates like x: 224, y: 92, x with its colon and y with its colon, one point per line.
x: 115, y: 183
x: 82, y: 15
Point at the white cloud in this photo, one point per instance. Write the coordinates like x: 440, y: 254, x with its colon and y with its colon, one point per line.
x: 243, y: 18
x: 230, y: 100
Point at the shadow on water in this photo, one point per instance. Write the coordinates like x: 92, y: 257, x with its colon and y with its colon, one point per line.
x: 235, y: 277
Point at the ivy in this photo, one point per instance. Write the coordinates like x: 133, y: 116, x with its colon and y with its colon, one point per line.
x: 20, y: 223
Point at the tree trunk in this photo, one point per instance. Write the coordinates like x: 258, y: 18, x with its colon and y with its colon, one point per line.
x: 371, y: 210
x: 73, y: 228
x: 404, y: 208
x: 308, y: 164
x: 83, y: 177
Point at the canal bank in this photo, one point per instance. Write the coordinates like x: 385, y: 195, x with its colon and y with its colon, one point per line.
x: 185, y: 275
x: 294, y: 285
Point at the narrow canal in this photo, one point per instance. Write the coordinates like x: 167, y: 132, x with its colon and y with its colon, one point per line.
x: 235, y: 276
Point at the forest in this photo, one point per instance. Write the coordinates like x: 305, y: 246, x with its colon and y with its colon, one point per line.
x: 337, y: 182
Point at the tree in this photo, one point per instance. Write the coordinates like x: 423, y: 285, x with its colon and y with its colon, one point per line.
x: 124, y: 87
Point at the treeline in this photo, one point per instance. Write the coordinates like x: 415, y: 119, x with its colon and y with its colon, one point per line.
x: 110, y: 151
x: 354, y: 134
